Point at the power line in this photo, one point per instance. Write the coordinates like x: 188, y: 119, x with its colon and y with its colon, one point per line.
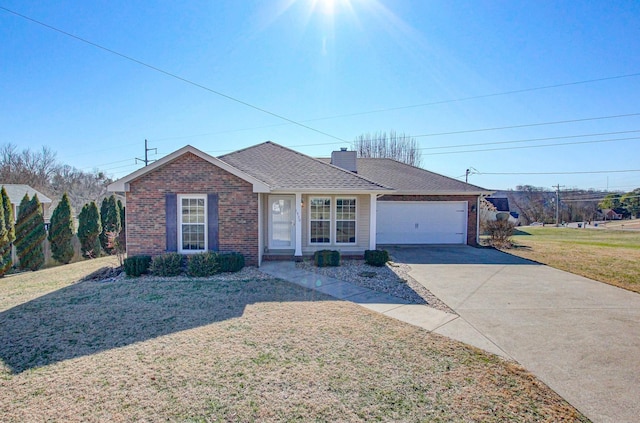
x: 490, y: 143
x: 560, y: 173
x: 534, y: 146
x: 172, y: 75
x: 476, y: 97
x: 528, y: 125
x: 527, y: 140
x: 596, y: 199
x: 447, y: 133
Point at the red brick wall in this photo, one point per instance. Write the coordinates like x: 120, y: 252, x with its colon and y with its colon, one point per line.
x: 472, y: 216
x: 189, y: 174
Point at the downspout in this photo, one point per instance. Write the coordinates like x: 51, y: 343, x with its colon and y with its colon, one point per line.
x: 373, y: 215
x: 260, y: 230
x: 478, y: 220
x: 298, y: 226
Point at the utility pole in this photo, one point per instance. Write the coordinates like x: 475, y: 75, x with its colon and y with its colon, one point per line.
x: 470, y: 171
x: 557, y: 187
x: 146, y: 154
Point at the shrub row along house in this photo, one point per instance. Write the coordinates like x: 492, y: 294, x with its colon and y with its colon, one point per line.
x: 270, y: 202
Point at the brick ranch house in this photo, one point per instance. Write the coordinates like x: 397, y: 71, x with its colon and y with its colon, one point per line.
x: 271, y: 202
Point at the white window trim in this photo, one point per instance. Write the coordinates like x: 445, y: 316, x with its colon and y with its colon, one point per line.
x: 206, y: 223
x: 335, y: 219
x: 331, y: 208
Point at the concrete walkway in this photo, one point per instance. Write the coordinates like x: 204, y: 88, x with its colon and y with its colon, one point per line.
x: 415, y: 314
x: 579, y: 336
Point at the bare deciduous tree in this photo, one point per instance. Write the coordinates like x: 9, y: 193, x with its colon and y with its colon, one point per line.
x: 396, y: 146
x: 42, y: 171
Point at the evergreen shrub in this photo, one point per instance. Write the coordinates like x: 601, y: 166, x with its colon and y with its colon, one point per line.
x: 376, y: 258
x: 136, y: 265
x: 231, y: 262
x: 203, y: 264
x: 169, y: 264
x: 324, y: 258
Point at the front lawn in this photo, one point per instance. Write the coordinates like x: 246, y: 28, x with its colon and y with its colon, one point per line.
x: 239, y: 348
x: 608, y: 256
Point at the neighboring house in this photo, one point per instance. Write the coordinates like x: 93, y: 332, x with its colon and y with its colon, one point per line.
x: 502, y: 206
x: 609, y: 214
x: 17, y: 191
x: 269, y: 202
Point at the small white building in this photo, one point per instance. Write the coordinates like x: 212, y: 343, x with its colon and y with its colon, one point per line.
x: 17, y: 191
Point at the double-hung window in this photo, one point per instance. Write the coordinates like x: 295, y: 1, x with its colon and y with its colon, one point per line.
x: 192, y: 223
x: 320, y: 220
x: 345, y: 220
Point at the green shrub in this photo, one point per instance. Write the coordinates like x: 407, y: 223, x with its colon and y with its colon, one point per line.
x: 110, y: 222
x: 89, y: 229
x: 136, y: 265
x: 324, y: 258
x: 9, y: 235
x: 203, y: 264
x: 30, y: 233
x: 231, y: 262
x: 169, y: 264
x: 61, y: 231
x: 376, y: 257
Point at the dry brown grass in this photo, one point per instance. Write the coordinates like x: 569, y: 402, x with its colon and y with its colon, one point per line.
x: 608, y: 256
x: 241, y: 349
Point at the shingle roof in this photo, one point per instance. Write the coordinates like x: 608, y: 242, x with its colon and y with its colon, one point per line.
x: 286, y: 169
x: 501, y: 204
x: 407, y: 179
x: 17, y: 191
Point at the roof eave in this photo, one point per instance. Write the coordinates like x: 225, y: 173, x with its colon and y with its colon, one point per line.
x: 426, y: 192
x: 320, y: 191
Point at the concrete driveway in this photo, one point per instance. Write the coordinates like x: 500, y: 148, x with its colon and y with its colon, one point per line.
x: 579, y: 336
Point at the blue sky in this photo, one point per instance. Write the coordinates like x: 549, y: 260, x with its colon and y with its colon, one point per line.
x: 341, y: 67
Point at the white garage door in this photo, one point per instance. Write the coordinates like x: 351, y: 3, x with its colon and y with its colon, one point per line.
x: 421, y: 222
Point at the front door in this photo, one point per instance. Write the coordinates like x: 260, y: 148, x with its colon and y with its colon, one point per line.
x: 282, y: 212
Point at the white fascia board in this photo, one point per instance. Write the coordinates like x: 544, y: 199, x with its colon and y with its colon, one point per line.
x: 441, y: 193
x: 122, y: 185
x: 317, y: 191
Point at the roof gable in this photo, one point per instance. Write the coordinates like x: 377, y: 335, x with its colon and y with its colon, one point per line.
x: 285, y: 169
x: 501, y: 204
x: 17, y: 191
x: 123, y: 183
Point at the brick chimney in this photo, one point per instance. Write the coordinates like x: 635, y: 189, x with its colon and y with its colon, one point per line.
x: 344, y: 159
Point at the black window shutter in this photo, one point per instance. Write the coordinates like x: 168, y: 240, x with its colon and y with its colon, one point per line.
x: 171, y: 207
x: 212, y: 220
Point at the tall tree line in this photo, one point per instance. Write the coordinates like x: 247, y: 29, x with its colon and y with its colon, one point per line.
x: 42, y: 171
x: 400, y: 147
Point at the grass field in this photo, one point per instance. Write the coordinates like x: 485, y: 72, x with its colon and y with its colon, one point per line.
x: 608, y: 256
x: 242, y: 348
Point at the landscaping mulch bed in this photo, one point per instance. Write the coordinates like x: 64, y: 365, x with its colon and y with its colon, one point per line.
x: 392, y: 279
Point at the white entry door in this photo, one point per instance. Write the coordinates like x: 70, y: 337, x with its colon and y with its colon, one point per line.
x: 282, y: 212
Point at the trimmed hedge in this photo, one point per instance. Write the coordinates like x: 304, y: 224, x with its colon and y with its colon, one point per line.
x: 173, y: 264
x: 231, y: 262
x: 169, y: 264
x: 376, y: 258
x: 203, y: 264
x: 324, y: 258
x: 136, y: 265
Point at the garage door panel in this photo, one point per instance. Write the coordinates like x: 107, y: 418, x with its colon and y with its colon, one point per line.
x: 442, y: 222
